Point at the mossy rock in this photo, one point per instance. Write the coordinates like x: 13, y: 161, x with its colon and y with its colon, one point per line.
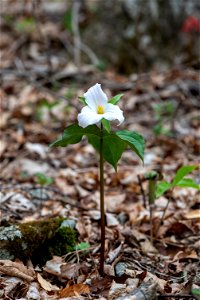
x: 37, y: 240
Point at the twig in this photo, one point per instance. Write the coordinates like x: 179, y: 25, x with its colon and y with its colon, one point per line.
x: 178, y: 296
x: 88, y: 51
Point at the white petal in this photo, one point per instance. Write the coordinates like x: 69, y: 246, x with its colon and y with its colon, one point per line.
x: 88, y: 117
x: 113, y: 112
x: 95, y: 96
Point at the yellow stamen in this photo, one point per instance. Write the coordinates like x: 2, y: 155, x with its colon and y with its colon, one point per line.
x: 100, y: 110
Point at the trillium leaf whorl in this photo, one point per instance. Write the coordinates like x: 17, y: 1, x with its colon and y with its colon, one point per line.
x: 98, y: 108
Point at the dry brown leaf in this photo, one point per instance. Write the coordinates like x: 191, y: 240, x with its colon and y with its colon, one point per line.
x: 75, y: 290
x: 112, y: 202
x: 161, y: 283
x: 144, y: 242
x: 64, y: 186
x: 16, y: 269
x: 4, y: 119
x: 3, y: 146
x: 116, y: 290
x: 53, y: 266
x: 70, y: 271
x: 47, y: 286
x: 114, y: 253
x: 193, y: 214
x: 185, y: 255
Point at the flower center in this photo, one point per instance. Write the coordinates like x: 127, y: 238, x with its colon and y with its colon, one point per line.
x: 100, y: 110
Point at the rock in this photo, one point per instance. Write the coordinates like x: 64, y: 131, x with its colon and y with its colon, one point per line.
x: 38, y: 240
x: 120, y: 269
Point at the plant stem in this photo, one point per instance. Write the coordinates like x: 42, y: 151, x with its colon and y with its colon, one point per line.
x: 142, y: 191
x: 163, y: 215
x: 152, y: 188
x: 151, y: 223
x: 101, y: 268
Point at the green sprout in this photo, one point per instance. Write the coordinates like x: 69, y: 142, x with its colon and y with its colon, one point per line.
x: 157, y: 187
x: 164, y: 113
x: 179, y: 181
x: 43, y: 180
x: 82, y: 246
x: 44, y: 106
x: 26, y: 25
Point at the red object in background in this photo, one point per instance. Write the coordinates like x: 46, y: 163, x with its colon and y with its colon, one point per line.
x: 191, y: 24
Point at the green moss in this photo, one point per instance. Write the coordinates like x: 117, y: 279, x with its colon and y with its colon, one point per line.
x: 40, y: 240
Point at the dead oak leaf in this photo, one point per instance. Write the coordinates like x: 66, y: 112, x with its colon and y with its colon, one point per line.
x: 47, y: 286
x: 75, y: 290
x: 69, y: 270
x: 16, y: 269
x: 193, y: 214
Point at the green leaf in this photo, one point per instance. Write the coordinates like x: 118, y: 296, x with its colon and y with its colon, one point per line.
x: 26, y: 24
x: 42, y: 179
x: 114, y: 100
x: 188, y: 182
x: 113, y: 147
x: 68, y: 20
x: 82, y: 100
x: 74, y: 133
x: 196, y: 292
x: 106, y: 125
x: 162, y: 187
x: 82, y: 246
x: 182, y: 172
x: 134, y: 140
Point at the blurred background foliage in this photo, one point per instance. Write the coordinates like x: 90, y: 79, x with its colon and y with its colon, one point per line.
x: 127, y: 35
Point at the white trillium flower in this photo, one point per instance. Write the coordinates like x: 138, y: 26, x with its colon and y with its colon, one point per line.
x: 98, y: 108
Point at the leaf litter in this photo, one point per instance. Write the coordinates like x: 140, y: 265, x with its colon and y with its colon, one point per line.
x: 134, y: 265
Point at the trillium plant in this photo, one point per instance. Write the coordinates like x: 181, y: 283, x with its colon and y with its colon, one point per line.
x: 94, y: 123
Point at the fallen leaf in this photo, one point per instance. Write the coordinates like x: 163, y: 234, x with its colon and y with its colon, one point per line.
x: 3, y: 146
x: 47, y: 286
x: 116, y: 290
x: 75, y: 290
x: 53, y: 266
x: 112, y: 202
x: 40, y: 149
x: 70, y: 271
x: 193, y: 214
x: 16, y: 269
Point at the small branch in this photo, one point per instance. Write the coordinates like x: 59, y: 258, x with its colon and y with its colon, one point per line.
x: 92, y: 56
x: 177, y: 296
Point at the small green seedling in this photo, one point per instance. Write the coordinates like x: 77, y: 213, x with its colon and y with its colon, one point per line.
x: 43, y: 180
x: 82, y: 246
x: 196, y: 293
x: 179, y: 181
x: 43, y: 107
x: 26, y: 25
x: 164, y: 113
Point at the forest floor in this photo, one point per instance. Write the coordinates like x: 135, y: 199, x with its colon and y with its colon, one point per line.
x: 39, y: 99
